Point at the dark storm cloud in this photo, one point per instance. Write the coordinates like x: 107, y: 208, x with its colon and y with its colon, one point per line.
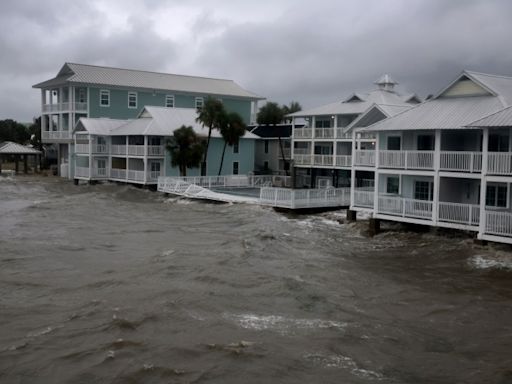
x: 313, y: 52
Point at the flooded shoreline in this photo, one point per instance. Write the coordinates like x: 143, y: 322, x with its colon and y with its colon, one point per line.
x: 110, y: 283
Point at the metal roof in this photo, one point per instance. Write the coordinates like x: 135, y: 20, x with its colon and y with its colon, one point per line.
x: 152, y: 121
x: 98, y: 126
x: 355, y: 107
x: 447, y: 113
x: 130, y: 78
x: 10, y: 148
x: 453, y: 112
x: 502, y: 118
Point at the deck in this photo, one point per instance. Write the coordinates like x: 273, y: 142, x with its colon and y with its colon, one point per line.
x: 262, y: 190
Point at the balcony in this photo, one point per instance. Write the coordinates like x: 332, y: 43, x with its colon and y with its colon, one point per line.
x: 137, y: 150
x: 461, y: 161
x: 344, y: 161
x: 156, y: 150
x: 65, y: 107
x: 96, y: 149
x: 55, y: 135
x: 365, y: 158
x: 399, y: 206
x: 406, y: 159
x: 323, y: 160
x: 303, y: 159
x: 465, y: 214
x: 499, y: 163
x: 498, y: 223
x: 302, y: 133
x: 363, y: 198
x: 341, y: 135
x: 324, y: 133
x: 96, y: 173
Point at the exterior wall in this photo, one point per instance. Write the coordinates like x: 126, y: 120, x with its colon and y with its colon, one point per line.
x: 118, y: 108
x: 273, y: 156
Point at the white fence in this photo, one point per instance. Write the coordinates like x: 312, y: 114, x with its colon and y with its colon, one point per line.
x: 323, y: 160
x: 302, y: 133
x: 305, y: 198
x: 344, y: 161
x: 498, y: 223
x: 324, y: 133
x: 136, y: 150
x: 499, y: 163
x: 81, y: 171
x: 116, y: 173
x: 466, y: 214
x: 303, y: 159
x: 461, y: 161
x: 406, y: 159
x: 365, y: 158
x: 234, y: 181
x: 363, y: 198
x: 399, y: 206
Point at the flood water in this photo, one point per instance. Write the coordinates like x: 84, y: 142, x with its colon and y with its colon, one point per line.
x: 114, y: 284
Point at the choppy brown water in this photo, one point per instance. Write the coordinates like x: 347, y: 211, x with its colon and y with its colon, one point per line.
x: 113, y: 284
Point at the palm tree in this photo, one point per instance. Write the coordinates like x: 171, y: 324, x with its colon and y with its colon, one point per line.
x: 272, y: 114
x: 186, y: 149
x: 232, y: 128
x: 292, y: 108
x: 209, y: 115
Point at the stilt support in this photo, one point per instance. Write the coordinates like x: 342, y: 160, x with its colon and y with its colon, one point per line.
x: 351, y: 215
x: 374, y: 228
x: 75, y: 181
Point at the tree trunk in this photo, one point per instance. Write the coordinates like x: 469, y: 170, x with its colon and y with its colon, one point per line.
x: 282, y: 155
x: 222, y: 158
x: 203, y: 164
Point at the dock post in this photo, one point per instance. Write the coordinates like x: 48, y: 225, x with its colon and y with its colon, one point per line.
x: 351, y: 215
x: 374, y: 227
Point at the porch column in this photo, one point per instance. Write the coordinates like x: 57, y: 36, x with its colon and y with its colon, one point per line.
x: 293, y: 142
x: 352, y: 170
x: 145, y: 158
x: 90, y: 156
x: 376, y: 177
x: 25, y: 163
x: 17, y: 167
x: 437, y: 179
x: 483, y: 180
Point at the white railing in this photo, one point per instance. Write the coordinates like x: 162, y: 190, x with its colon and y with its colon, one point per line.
x: 499, y: 163
x: 406, y: 159
x: 301, y: 151
x: 305, y: 198
x: 363, y: 198
x: 341, y: 135
x: 366, y: 136
x: 64, y: 107
x: 80, y: 106
x: 99, y: 148
x: 82, y: 171
x: 467, y: 214
x: 325, y: 160
x: 344, y: 161
x: 231, y: 181
x: 399, y: 206
x: 498, y: 223
x: 155, y: 150
x: 55, y: 135
x: 81, y: 148
x: 99, y: 172
x: 302, y: 133
x: 365, y: 158
x: 118, y: 173
x: 324, y: 133
x: 135, y: 175
x: 461, y: 161
x: 303, y: 159
x: 136, y: 150
x: 118, y: 149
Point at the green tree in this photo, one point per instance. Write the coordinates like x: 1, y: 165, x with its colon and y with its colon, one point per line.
x: 11, y: 130
x: 272, y: 114
x: 292, y: 108
x: 232, y: 128
x: 186, y: 149
x: 209, y: 115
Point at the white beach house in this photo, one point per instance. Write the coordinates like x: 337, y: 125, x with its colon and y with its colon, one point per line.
x: 446, y: 162
x: 322, y: 149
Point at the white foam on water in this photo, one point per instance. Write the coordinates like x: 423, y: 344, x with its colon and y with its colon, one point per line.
x: 500, y: 260
x: 343, y: 362
x: 281, y: 324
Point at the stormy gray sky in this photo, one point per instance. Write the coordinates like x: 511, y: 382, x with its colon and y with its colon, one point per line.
x: 314, y: 52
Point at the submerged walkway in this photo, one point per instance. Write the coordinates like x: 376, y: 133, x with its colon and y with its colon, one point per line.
x: 262, y: 190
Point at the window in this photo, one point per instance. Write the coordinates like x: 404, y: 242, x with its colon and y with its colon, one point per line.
x: 394, y: 143
x: 423, y: 190
x: 266, y: 146
x: 322, y: 123
x: 496, y: 196
x: 81, y: 95
x: 169, y: 101
x: 235, y: 167
x: 393, y: 185
x: 498, y: 143
x: 155, y: 166
x: 236, y: 147
x: 104, y: 98
x: 199, y: 102
x: 132, y: 99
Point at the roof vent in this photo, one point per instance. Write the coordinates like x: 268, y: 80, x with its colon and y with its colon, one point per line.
x: 386, y: 83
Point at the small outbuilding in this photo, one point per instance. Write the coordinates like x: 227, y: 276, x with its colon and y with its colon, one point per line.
x: 18, y: 151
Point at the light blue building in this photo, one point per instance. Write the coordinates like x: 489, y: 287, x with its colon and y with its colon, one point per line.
x: 87, y: 91
x: 134, y: 151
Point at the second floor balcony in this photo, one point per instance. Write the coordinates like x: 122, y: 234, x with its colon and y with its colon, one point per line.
x: 65, y: 107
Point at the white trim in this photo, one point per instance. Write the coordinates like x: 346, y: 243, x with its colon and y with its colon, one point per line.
x: 106, y: 92
x: 133, y: 93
